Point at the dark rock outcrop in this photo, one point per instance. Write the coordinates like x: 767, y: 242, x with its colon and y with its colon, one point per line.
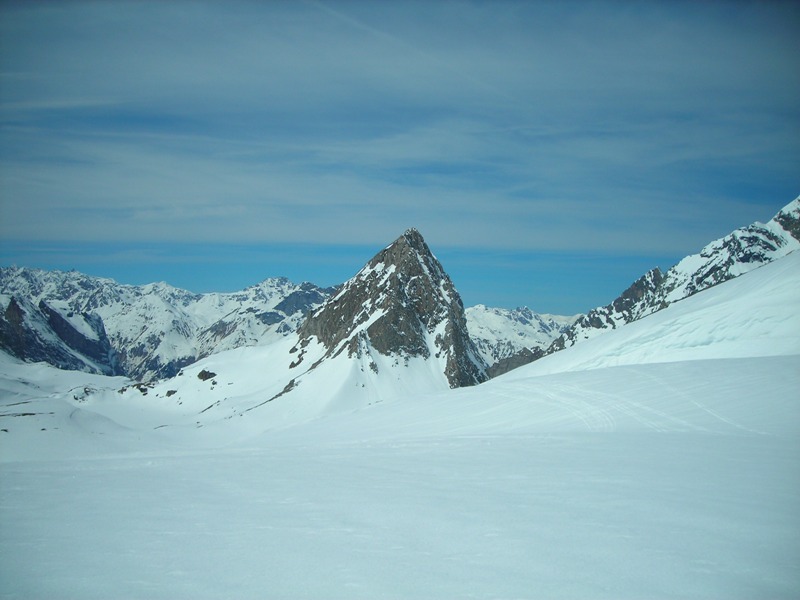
x: 42, y: 334
x: 523, y: 357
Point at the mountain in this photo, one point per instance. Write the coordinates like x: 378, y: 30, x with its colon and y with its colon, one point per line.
x: 54, y: 334
x: 737, y: 253
x: 396, y: 329
x: 75, y: 321
x: 402, y: 303
x: 754, y: 315
x: 227, y: 396
x: 507, y: 338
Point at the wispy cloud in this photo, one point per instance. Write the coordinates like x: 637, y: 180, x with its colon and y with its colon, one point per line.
x: 636, y: 128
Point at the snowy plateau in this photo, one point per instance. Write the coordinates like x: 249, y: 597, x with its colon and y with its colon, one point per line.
x: 660, y: 459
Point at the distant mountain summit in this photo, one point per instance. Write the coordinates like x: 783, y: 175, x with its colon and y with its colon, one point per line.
x: 507, y: 338
x: 403, y: 304
x: 75, y: 321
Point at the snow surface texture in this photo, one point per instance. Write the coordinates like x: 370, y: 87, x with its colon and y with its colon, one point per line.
x: 669, y: 469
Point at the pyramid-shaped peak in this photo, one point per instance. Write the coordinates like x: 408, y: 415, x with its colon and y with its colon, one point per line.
x: 413, y: 236
x: 409, y: 253
x: 403, y: 304
x: 412, y: 239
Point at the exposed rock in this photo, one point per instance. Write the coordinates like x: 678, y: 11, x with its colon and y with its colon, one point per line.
x: 523, y: 357
x: 97, y: 348
x: 42, y: 334
x: 401, y: 303
x: 205, y: 375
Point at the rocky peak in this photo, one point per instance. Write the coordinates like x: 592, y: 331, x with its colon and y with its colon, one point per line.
x: 401, y: 303
x: 789, y: 218
x: 638, y: 298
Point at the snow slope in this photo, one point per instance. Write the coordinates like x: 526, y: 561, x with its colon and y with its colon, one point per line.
x: 752, y: 315
x: 665, y: 464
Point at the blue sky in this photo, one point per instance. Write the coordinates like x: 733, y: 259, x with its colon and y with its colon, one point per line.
x: 550, y: 153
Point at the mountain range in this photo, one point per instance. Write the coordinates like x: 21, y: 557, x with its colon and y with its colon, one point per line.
x: 75, y: 321
x: 402, y: 304
x: 654, y: 458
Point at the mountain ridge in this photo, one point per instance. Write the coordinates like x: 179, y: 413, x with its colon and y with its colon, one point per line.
x: 149, y: 332
x: 154, y: 329
x: 739, y: 252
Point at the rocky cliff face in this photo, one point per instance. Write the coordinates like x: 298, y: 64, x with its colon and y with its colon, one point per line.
x: 737, y: 253
x: 402, y: 303
x: 43, y: 333
x: 640, y: 299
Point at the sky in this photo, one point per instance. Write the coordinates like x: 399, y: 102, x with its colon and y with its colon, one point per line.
x: 549, y: 152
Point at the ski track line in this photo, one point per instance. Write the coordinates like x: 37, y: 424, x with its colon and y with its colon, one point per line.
x: 604, y: 419
x: 627, y: 409
x: 688, y: 397
x: 611, y: 402
x: 667, y: 417
x: 593, y: 417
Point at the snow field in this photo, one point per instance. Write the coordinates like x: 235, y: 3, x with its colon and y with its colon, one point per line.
x: 661, y: 480
x: 580, y: 515
x: 660, y: 460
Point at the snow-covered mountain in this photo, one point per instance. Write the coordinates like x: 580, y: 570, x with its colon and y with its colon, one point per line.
x: 242, y: 392
x: 75, y: 321
x: 51, y: 332
x: 507, y: 338
x: 395, y: 329
x: 737, y: 253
